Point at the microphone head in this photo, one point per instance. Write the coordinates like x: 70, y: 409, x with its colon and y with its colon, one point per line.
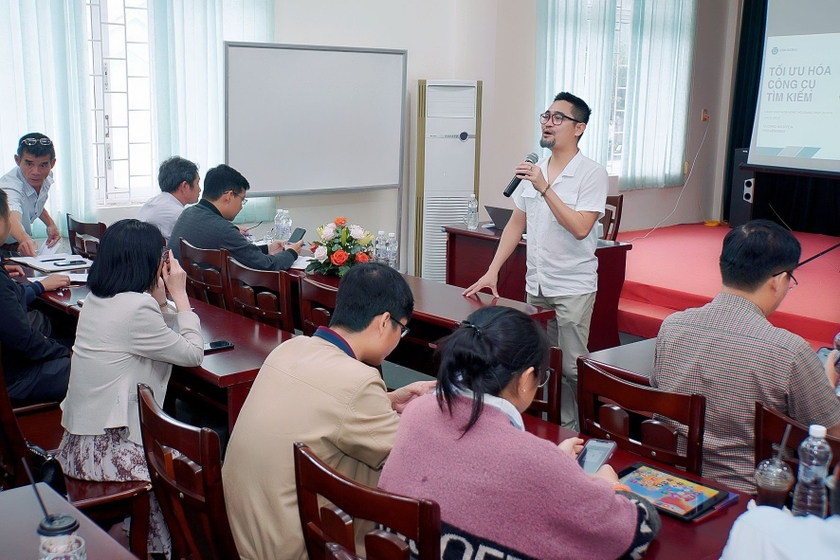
x: 532, y: 158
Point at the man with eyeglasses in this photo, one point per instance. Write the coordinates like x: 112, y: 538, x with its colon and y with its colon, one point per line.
x: 728, y: 351
x: 560, y: 200
x: 28, y: 186
x: 323, y: 391
x: 208, y: 225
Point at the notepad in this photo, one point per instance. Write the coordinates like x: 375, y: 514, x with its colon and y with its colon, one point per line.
x: 59, y: 262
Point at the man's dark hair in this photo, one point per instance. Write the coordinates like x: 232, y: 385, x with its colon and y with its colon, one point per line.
x: 128, y: 259
x: 175, y: 171
x: 221, y: 179
x: 368, y: 290
x: 580, y: 110
x: 4, y: 205
x: 37, y: 149
x: 754, y: 252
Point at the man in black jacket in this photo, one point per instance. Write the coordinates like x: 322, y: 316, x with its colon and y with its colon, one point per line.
x: 35, y: 367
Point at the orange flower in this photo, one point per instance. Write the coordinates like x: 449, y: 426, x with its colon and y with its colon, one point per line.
x: 362, y: 258
x: 339, y: 257
x: 340, y: 221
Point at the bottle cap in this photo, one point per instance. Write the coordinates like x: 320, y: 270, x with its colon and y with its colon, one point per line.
x: 380, y: 232
x: 58, y: 524
x: 815, y: 430
x: 392, y: 234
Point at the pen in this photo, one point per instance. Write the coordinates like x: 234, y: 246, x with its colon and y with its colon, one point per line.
x: 51, y: 260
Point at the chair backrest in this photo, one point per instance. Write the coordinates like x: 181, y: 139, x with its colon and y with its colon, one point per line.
x: 657, y: 439
x: 418, y: 520
x: 84, y: 237
x: 185, y: 466
x: 12, y: 443
x: 549, y: 403
x: 206, y: 272
x: 262, y: 295
x: 612, y: 216
x: 317, y: 302
x: 769, y: 429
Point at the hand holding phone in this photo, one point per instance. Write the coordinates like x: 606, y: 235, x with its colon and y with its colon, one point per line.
x: 595, y: 453
x: 297, y: 235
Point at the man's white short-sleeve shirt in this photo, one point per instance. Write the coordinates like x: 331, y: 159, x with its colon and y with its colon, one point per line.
x: 163, y: 211
x: 24, y: 199
x: 557, y: 263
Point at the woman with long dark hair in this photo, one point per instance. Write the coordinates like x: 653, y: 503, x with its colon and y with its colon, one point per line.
x: 127, y: 334
x: 498, y: 486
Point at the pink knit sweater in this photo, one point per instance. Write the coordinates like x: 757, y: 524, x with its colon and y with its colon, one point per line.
x: 505, y: 485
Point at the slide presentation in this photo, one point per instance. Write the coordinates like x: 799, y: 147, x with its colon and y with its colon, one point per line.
x: 798, y: 112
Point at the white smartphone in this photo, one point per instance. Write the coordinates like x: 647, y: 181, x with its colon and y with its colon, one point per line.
x: 595, y: 453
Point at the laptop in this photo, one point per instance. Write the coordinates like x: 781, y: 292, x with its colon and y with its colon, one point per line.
x: 500, y: 216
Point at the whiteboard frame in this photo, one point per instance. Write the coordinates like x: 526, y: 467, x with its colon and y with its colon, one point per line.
x: 328, y: 190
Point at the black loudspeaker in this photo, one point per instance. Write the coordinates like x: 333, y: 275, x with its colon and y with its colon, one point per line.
x: 742, y: 193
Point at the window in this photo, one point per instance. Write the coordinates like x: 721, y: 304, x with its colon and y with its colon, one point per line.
x: 623, y: 19
x: 119, y: 66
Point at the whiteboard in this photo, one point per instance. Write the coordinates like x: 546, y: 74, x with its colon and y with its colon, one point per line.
x: 312, y: 119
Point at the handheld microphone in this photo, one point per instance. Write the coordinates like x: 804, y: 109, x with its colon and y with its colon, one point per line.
x: 530, y: 158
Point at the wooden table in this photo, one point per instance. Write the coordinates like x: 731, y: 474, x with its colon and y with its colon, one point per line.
x: 633, y: 362
x: 700, y: 540
x: 20, y: 516
x: 468, y: 255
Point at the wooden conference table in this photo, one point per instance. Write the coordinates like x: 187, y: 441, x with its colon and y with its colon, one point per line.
x: 20, y: 516
x: 224, y: 378
x: 700, y: 540
x: 468, y: 254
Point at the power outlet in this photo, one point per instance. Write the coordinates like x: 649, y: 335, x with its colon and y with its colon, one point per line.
x: 704, y: 116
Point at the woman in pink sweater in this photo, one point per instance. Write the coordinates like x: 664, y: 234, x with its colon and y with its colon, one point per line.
x: 502, y: 491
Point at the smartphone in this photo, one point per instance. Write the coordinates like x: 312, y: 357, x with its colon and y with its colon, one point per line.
x: 217, y: 345
x: 297, y: 235
x: 595, y: 453
x: 69, y: 263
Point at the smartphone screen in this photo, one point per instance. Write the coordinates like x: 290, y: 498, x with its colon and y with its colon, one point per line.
x: 297, y: 235
x: 595, y: 453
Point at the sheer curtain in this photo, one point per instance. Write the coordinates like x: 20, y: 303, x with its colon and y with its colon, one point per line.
x: 45, y: 88
x: 188, y: 59
x: 575, y: 48
x: 658, y: 90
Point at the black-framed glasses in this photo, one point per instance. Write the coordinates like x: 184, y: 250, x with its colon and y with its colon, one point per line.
x: 556, y: 118
x: 403, y: 329
x: 545, y: 375
x: 793, y: 282
x: 32, y: 141
x: 241, y: 197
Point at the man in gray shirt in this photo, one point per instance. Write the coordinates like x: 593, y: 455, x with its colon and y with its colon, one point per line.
x: 208, y: 224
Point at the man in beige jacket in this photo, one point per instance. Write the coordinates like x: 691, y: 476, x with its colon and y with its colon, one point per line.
x: 320, y: 391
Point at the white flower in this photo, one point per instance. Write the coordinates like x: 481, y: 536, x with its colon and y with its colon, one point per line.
x: 357, y: 232
x: 328, y: 232
x: 320, y: 254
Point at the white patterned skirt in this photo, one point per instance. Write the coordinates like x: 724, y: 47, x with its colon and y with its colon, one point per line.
x: 112, y: 458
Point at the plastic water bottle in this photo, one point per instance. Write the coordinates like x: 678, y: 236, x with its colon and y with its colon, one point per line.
x: 379, y: 246
x: 472, y: 213
x: 287, y: 225
x: 809, y: 495
x: 391, y: 250
x: 278, y: 224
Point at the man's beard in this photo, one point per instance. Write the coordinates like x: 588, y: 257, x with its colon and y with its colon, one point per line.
x: 547, y: 143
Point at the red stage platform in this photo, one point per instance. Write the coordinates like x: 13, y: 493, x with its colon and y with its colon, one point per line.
x: 676, y: 267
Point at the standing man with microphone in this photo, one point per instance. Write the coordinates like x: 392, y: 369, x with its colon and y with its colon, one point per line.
x: 560, y: 200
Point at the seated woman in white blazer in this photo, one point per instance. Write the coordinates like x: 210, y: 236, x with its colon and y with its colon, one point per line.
x: 127, y: 334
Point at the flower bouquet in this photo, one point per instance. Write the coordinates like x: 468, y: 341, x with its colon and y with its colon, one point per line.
x: 339, y: 247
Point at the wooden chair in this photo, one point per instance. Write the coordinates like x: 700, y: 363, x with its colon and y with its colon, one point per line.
x: 206, y: 272
x: 769, y: 429
x: 317, y: 302
x: 611, y: 420
x: 612, y: 216
x: 262, y: 295
x: 418, y: 520
x: 550, y: 403
x: 84, y: 237
x: 104, y: 502
x: 186, y: 469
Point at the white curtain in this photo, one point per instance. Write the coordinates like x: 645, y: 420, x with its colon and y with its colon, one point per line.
x: 188, y: 53
x: 658, y: 90
x: 45, y: 87
x: 575, y: 49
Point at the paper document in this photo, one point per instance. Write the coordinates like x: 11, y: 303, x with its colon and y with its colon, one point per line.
x: 43, y: 250
x: 301, y: 262
x: 58, y: 262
